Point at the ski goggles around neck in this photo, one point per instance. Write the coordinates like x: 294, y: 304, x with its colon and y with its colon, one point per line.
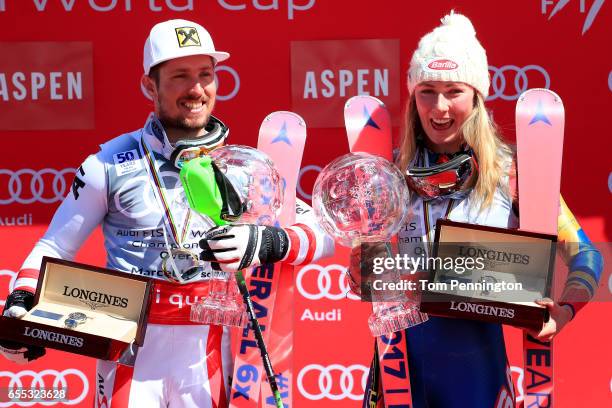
x: 185, y: 150
x: 453, y: 179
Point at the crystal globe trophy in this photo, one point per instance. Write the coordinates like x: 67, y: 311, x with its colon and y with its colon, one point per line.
x: 257, y: 185
x: 360, y: 198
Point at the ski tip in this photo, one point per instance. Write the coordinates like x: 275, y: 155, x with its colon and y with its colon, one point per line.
x: 524, y: 95
x: 355, y: 98
x: 297, y: 117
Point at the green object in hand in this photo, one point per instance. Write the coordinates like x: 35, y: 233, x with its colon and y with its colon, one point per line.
x: 201, y: 189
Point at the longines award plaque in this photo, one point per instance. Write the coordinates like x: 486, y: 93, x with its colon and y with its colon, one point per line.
x: 491, y: 274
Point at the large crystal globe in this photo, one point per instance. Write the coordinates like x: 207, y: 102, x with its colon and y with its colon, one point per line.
x: 360, y: 197
x: 256, y: 180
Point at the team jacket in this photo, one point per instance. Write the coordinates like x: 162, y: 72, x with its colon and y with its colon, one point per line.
x: 118, y: 189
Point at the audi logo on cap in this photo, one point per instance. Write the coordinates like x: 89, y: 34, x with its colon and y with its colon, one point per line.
x: 27, y: 186
x: 321, y: 282
x: 11, y: 282
x: 510, y: 81
x: 334, y: 382
x: 70, y: 379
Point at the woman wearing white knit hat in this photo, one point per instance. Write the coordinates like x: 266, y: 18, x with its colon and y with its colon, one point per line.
x: 456, y: 363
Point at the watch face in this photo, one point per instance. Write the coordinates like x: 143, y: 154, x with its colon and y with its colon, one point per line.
x: 70, y: 323
x: 78, y: 316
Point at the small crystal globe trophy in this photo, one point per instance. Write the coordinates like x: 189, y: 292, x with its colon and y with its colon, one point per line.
x: 256, y: 181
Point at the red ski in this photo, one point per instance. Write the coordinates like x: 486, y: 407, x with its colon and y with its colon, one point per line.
x: 368, y: 127
x: 540, y: 119
x: 282, y: 137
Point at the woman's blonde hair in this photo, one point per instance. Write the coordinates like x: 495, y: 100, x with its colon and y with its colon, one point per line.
x: 480, y: 133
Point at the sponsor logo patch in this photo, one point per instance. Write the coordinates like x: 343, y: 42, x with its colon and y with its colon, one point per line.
x: 126, y: 162
x: 187, y: 37
x: 440, y: 64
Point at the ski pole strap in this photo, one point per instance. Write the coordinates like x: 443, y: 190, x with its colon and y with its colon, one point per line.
x: 538, y: 381
x: 392, y: 351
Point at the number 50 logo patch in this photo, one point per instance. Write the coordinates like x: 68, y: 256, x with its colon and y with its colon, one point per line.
x: 126, y: 162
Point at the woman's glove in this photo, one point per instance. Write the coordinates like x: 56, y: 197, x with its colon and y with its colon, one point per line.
x: 361, y: 266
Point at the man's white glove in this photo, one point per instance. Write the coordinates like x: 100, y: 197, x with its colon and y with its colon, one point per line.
x: 235, y: 247
x: 16, y: 306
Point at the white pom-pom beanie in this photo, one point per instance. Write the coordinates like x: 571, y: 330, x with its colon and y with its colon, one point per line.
x: 451, y: 52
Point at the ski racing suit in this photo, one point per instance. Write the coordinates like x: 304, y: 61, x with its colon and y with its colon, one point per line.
x: 458, y: 363
x: 116, y: 188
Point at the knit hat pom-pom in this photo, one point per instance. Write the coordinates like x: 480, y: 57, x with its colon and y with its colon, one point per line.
x: 459, y: 22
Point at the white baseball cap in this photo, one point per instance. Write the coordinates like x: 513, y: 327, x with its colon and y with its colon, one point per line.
x: 178, y: 38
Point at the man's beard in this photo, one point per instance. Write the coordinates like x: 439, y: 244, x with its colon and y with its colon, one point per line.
x: 180, y: 124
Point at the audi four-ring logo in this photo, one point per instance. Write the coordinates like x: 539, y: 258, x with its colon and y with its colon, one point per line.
x: 27, y: 186
x: 510, y: 81
x: 11, y: 283
x: 325, y: 282
x: 304, y: 170
x: 333, y: 387
x: 28, y: 379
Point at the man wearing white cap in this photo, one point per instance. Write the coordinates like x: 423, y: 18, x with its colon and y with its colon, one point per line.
x: 179, y: 62
x: 131, y: 187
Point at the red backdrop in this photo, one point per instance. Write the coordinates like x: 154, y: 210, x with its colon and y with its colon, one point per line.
x: 69, y: 80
